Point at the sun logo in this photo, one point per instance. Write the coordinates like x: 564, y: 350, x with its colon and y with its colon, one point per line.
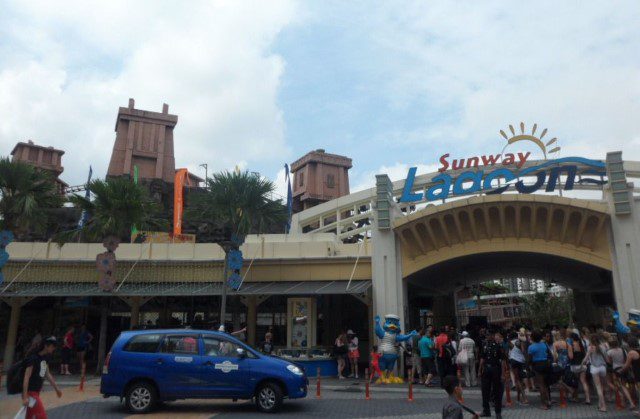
x: 531, y: 137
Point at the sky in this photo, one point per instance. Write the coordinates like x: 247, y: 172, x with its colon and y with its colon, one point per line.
x: 257, y: 84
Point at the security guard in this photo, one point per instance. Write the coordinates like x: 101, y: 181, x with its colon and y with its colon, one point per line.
x: 491, y: 363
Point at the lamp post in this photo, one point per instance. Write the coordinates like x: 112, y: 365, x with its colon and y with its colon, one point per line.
x: 206, y: 174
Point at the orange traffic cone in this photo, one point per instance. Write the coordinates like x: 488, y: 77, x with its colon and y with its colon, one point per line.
x: 410, y: 398
x: 507, y: 389
x: 563, y: 398
x: 318, y: 384
x: 619, y: 404
x: 81, y: 386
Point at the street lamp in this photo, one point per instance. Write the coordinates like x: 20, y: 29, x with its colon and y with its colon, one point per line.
x: 206, y: 174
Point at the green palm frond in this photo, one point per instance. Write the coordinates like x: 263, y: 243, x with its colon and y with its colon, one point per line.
x: 116, y: 206
x: 27, y: 196
x: 241, y: 202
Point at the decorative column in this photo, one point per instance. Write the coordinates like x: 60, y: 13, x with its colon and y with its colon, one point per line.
x: 16, y: 304
x: 252, y: 302
x: 102, y: 339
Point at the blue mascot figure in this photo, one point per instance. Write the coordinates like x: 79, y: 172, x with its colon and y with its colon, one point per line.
x: 390, y: 336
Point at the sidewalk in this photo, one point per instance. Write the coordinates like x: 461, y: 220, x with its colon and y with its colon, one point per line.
x: 358, y: 385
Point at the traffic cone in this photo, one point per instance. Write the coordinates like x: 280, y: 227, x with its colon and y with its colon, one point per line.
x: 563, y: 398
x: 81, y: 386
x: 367, y: 395
x: 410, y: 399
x: 508, y: 394
x: 619, y: 404
x: 318, y: 385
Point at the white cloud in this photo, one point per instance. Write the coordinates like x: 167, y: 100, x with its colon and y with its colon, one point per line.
x: 69, y: 66
x: 475, y: 67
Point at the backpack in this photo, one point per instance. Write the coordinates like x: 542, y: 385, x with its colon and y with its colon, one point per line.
x: 15, y: 377
x: 449, y: 352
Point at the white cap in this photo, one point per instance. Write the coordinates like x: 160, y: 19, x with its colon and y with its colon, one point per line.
x: 465, y: 333
x: 350, y: 332
x: 221, y: 328
x: 392, y: 316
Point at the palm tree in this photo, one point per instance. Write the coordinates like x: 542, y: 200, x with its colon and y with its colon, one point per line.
x: 28, y: 196
x: 117, y: 205
x: 239, y: 203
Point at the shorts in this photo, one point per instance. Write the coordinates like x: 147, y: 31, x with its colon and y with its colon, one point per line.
x: 428, y: 366
x: 354, y: 354
x: 601, y: 370
x: 37, y: 411
x: 517, y: 367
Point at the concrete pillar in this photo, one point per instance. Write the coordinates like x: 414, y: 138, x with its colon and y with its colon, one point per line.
x: 12, y: 334
x: 102, y: 337
x: 388, y: 286
x: 586, y: 311
x: 624, y: 244
x: 252, y: 319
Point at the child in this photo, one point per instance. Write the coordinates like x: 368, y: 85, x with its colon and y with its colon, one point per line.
x: 452, y: 408
x: 375, y: 364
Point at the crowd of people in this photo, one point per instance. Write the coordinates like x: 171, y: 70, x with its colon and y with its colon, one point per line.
x: 578, y: 362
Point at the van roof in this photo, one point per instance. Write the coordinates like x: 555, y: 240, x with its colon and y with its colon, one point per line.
x: 153, y: 331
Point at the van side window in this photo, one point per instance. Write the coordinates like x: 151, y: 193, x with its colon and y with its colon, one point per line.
x: 143, y: 343
x: 214, y: 346
x: 180, y: 344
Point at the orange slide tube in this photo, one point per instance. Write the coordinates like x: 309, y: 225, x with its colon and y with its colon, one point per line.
x: 182, y: 177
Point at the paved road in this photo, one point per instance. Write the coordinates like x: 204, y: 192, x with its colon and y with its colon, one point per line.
x: 339, y: 399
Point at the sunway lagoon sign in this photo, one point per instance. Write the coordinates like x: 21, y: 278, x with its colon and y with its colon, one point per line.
x: 486, y: 178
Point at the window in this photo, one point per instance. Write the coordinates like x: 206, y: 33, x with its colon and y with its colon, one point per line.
x: 301, y: 177
x: 215, y: 346
x: 180, y: 345
x: 331, y: 181
x: 143, y: 343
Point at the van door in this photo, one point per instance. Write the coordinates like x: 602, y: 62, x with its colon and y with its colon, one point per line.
x: 224, y: 371
x: 177, y: 366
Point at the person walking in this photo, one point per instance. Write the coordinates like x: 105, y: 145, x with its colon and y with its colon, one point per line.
x: 452, y: 407
x: 36, y: 371
x: 83, y: 344
x: 468, y: 348
x: 340, y: 350
x: 617, y: 357
x: 541, y: 359
x: 518, y: 364
x: 354, y: 353
x: 416, y: 362
x: 596, y: 357
x: 442, y: 364
x: 632, y: 365
x: 68, y: 346
x: 426, y: 346
x: 576, y: 356
x: 491, y: 365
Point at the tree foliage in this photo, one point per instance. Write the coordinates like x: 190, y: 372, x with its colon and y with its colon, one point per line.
x: 237, y: 202
x: 28, y: 197
x: 544, y: 309
x: 116, y: 205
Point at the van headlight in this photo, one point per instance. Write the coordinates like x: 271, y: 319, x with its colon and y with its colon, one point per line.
x: 295, y: 370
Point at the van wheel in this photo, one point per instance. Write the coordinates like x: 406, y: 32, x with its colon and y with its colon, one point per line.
x: 141, y: 397
x: 269, y: 398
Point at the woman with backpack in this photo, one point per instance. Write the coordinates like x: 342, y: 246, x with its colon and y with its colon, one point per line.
x: 617, y: 357
x: 576, y: 356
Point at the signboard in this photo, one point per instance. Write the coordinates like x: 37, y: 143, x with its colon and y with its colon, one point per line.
x: 501, y: 172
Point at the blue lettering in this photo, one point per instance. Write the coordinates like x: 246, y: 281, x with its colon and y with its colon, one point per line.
x: 443, y: 188
x: 407, y: 195
x: 522, y: 188
x: 555, y: 174
x: 475, y: 177
x: 505, y: 173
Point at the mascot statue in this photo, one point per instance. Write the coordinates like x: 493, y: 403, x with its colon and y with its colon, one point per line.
x: 633, y: 324
x: 390, y: 336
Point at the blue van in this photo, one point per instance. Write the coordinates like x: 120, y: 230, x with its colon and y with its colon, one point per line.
x: 148, y: 366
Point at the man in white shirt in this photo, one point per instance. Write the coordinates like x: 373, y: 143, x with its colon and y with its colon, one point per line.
x: 469, y: 369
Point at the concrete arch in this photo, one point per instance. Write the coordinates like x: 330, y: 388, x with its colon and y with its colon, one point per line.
x: 552, y: 225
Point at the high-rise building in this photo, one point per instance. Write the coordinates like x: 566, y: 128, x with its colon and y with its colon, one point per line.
x: 319, y: 177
